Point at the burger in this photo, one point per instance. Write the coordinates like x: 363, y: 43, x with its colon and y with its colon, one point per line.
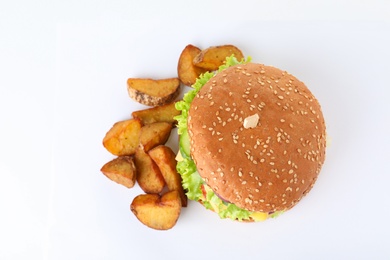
x: 252, y: 140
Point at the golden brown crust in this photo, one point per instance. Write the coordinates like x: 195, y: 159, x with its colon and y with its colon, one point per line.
x: 151, y: 92
x: 186, y: 70
x: 266, y: 168
x: 164, y: 113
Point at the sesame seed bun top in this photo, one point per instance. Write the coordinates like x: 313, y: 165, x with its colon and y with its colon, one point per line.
x: 266, y: 167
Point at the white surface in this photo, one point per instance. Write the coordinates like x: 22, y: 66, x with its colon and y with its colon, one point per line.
x: 63, y: 84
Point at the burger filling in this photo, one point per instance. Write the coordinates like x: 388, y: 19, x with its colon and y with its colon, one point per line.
x: 195, y: 186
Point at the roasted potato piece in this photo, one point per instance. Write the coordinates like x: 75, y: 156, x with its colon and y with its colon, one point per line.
x: 121, y: 170
x: 157, y: 212
x: 164, y: 113
x: 187, y: 72
x: 149, y: 176
x: 213, y: 57
x: 153, y: 92
x: 164, y: 157
x: 123, y: 137
x: 154, y: 134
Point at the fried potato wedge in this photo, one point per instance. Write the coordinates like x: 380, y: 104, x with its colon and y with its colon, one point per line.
x: 153, y: 92
x: 164, y: 113
x: 123, y: 137
x: 214, y: 56
x: 157, y: 212
x: 186, y: 70
x: 154, y: 134
x: 121, y: 170
x: 164, y: 157
x: 149, y: 177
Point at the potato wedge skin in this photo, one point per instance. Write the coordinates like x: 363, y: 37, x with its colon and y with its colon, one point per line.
x: 213, y: 57
x: 121, y: 170
x: 123, y: 137
x: 186, y: 70
x: 164, y: 157
x: 151, y: 92
x: 157, y: 212
x: 149, y: 177
x: 154, y: 134
x: 164, y: 113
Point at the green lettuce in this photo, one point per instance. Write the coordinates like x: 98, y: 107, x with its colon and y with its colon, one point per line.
x: 192, y: 181
x: 225, y: 209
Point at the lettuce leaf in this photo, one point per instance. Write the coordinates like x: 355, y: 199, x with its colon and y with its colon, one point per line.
x: 192, y: 181
x: 226, y: 210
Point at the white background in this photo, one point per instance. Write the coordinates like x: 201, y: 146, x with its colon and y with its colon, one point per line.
x: 63, y: 71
